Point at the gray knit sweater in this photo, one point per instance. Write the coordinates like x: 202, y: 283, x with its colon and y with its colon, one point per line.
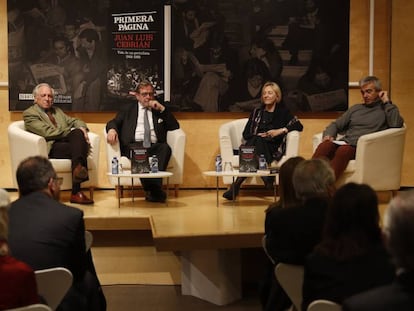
x: 363, y: 119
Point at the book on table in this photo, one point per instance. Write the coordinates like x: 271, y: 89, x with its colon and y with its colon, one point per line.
x: 248, y: 162
x: 139, y: 160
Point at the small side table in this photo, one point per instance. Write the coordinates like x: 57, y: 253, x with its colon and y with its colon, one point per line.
x: 128, y: 174
x: 235, y: 174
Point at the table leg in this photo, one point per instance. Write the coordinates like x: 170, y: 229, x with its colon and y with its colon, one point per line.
x: 274, y: 190
x: 217, y: 191
x: 166, y: 197
x: 119, y: 192
x: 233, y: 189
x: 132, y: 185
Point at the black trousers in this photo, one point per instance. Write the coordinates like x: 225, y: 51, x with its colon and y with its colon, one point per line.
x: 74, y: 147
x: 163, y: 153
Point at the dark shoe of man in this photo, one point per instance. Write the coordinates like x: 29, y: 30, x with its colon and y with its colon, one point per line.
x: 80, y: 174
x: 80, y: 198
x: 155, y: 196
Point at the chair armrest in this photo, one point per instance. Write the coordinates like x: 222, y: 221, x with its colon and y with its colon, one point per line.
x: 292, y: 144
x: 111, y: 151
x: 316, y: 140
x: 378, y: 159
x: 94, y: 140
x: 176, y: 140
x: 23, y: 144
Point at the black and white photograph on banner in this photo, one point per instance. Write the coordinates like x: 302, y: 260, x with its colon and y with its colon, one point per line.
x: 92, y: 52
x: 223, y: 51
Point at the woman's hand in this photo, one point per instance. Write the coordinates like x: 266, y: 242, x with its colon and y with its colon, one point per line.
x: 274, y: 133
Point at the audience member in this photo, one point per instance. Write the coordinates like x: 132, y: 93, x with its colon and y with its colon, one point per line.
x: 351, y: 257
x: 46, y: 233
x: 398, y: 233
x: 128, y: 128
x: 272, y: 295
x: 293, y: 232
x: 67, y: 137
x: 375, y: 114
x: 18, y: 287
x: 266, y: 129
x: 296, y: 230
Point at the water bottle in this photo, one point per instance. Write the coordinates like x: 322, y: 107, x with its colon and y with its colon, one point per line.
x: 262, y: 162
x: 219, y: 166
x: 154, y: 164
x: 115, y: 165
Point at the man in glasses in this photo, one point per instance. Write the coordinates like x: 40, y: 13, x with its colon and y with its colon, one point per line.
x: 129, y: 128
x: 67, y: 137
x: 45, y: 233
x: 376, y: 113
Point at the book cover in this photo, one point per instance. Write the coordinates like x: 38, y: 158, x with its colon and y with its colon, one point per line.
x: 247, y: 159
x: 139, y: 160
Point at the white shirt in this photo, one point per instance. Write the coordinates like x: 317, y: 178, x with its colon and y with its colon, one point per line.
x: 139, y: 131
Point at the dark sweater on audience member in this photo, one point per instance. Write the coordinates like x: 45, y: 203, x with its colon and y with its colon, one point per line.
x: 293, y: 232
x: 331, y: 279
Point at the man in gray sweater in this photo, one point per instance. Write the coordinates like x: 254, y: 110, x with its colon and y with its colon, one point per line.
x: 375, y: 114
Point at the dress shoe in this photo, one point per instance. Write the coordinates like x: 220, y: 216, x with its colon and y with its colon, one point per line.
x: 156, y: 196
x: 80, y: 198
x: 80, y: 174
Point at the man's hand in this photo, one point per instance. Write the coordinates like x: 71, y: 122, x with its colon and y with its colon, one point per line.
x: 155, y: 105
x: 112, y: 137
x: 85, y: 133
x: 384, y: 96
x: 330, y: 138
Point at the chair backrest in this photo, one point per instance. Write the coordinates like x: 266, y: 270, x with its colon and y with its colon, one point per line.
x: 324, y: 305
x: 290, y: 278
x: 88, y: 239
x: 33, y: 307
x: 53, y: 284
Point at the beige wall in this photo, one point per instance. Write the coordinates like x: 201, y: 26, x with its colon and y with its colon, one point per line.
x: 202, y: 128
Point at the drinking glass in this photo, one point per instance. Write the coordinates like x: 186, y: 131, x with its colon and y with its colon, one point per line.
x: 228, y: 167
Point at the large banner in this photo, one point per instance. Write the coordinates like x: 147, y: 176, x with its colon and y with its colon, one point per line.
x: 92, y: 52
x: 223, y: 51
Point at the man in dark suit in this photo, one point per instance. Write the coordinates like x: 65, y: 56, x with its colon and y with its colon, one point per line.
x: 294, y: 231
x: 128, y: 127
x: 399, y: 237
x: 45, y: 233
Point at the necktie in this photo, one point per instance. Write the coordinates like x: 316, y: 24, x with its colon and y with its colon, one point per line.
x: 147, y: 131
x: 51, y: 117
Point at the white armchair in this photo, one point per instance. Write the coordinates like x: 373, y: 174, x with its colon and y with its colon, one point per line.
x: 176, y: 140
x: 23, y: 144
x: 378, y: 160
x: 230, y: 135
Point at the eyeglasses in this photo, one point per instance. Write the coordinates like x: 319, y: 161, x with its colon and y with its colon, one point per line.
x: 146, y: 94
x: 58, y: 180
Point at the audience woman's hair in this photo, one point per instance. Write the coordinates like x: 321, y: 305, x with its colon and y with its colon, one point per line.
x: 4, y: 219
x: 287, y: 194
x: 352, y: 223
x: 34, y: 174
x: 399, y: 229
x: 313, y: 178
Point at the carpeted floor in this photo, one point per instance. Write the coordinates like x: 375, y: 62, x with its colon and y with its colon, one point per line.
x: 168, y: 298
